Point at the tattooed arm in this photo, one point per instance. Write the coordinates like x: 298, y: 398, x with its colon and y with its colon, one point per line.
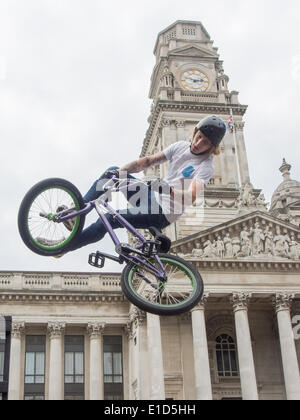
x: 144, y: 163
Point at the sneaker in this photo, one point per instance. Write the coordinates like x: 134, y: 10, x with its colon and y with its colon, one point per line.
x: 49, y: 242
x: 69, y: 224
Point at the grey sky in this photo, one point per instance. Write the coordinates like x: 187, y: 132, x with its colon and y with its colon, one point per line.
x: 74, y: 83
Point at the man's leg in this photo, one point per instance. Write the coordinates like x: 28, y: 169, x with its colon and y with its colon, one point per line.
x: 139, y: 217
x: 97, y: 230
x: 95, y: 191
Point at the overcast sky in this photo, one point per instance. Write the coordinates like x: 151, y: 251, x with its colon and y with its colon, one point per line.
x: 74, y: 84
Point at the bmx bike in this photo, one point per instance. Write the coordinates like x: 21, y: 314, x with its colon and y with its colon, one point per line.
x: 153, y: 279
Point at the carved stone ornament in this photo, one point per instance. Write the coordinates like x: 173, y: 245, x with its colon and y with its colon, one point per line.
x: 180, y: 123
x: 247, y: 199
x: 165, y: 122
x: 55, y: 329
x: 95, y: 329
x: 17, y: 329
x: 239, y: 125
x: 240, y: 301
x: 137, y: 317
x: 283, y: 302
x: 254, y: 239
x: 287, y: 217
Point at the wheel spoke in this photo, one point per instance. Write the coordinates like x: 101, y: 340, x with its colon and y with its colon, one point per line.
x: 177, y: 290
x: 47, y: 203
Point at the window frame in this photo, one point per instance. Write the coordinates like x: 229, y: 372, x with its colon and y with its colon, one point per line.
x: 2, y: 359
x: 35, y: 344
x: 74, y: 344
x: 232, y: 352
x: 113, y: 390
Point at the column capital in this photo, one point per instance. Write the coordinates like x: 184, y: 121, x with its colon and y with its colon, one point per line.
x: 165, y: 122
x: 240, y: 301
x: 201, y: 304
x: 56, y: 329
x: 137, y: 317
x: 180, y: 123
x: 239, y: 125
x: 17, y: 329
x: 95, y: 329
x: 282, y: 301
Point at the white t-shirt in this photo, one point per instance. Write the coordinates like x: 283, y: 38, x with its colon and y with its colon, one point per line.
x: 184, y: 167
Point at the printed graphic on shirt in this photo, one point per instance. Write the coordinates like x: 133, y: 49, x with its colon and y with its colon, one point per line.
x: 188, y: 171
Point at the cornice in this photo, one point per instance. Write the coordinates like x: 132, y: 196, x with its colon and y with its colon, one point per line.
x: 247, y: 266
x: 206, y: 107
x: 39, y: 297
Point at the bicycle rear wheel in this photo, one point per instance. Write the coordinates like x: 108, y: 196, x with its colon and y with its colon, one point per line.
x: 181, y: 291
x: 37, y: 223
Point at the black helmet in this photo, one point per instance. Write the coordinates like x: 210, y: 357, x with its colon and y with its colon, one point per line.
x: 213, y: 128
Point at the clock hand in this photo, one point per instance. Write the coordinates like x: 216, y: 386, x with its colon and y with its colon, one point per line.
x: 195, y: 80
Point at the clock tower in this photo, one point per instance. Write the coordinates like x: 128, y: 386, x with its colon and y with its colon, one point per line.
x: 188, y: 83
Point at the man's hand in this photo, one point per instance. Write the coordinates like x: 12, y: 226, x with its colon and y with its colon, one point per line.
x: 113, y: 173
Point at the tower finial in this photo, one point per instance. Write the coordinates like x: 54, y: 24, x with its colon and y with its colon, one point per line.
x: 285, y: 170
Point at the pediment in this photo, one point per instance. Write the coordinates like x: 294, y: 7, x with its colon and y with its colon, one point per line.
x: 193, y: 51
x: 257, y: 235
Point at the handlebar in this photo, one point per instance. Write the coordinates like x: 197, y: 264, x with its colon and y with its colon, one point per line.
x: 118, y: 181
x: 110, y: 183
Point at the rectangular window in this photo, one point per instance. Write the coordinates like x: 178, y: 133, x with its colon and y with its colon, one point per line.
x: 113, y: 367
x: 2, y: 356
x: 34, y: 387
x: 33, y: 397
x: 74, y: 367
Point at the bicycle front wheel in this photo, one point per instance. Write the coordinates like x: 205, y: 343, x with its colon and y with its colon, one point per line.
x: 179, y: 292
x: 37, y: 223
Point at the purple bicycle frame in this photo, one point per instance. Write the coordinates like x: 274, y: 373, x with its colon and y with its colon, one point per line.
x: 96, y: 204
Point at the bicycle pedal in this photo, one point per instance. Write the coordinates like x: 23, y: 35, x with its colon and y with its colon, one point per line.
x: 96, y: 260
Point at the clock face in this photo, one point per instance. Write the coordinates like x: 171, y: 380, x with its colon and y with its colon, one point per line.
x: 194, y: 80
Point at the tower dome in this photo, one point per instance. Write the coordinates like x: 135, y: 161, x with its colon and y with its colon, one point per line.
x: 287, y: 193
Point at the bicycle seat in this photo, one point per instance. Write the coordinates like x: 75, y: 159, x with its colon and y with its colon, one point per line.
x: 165, y: 242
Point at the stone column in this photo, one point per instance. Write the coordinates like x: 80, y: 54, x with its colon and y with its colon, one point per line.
x: 56, y: 372
x: 242, y: 153
x: 240, y: 303
x: 139, y: 358
x: 157, y: 383
x: 95, y: 331
x: 201, y: 358
x: 230, y: 160
x: 282, y: 303
x: 14, y: 384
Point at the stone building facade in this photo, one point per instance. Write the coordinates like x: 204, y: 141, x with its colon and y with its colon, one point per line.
x: 75, y: 336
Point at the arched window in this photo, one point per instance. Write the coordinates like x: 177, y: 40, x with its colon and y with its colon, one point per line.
x: 226, y: 356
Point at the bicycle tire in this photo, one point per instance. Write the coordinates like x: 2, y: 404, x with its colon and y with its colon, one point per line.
x: 27, y: 204
x: 157, y: 308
